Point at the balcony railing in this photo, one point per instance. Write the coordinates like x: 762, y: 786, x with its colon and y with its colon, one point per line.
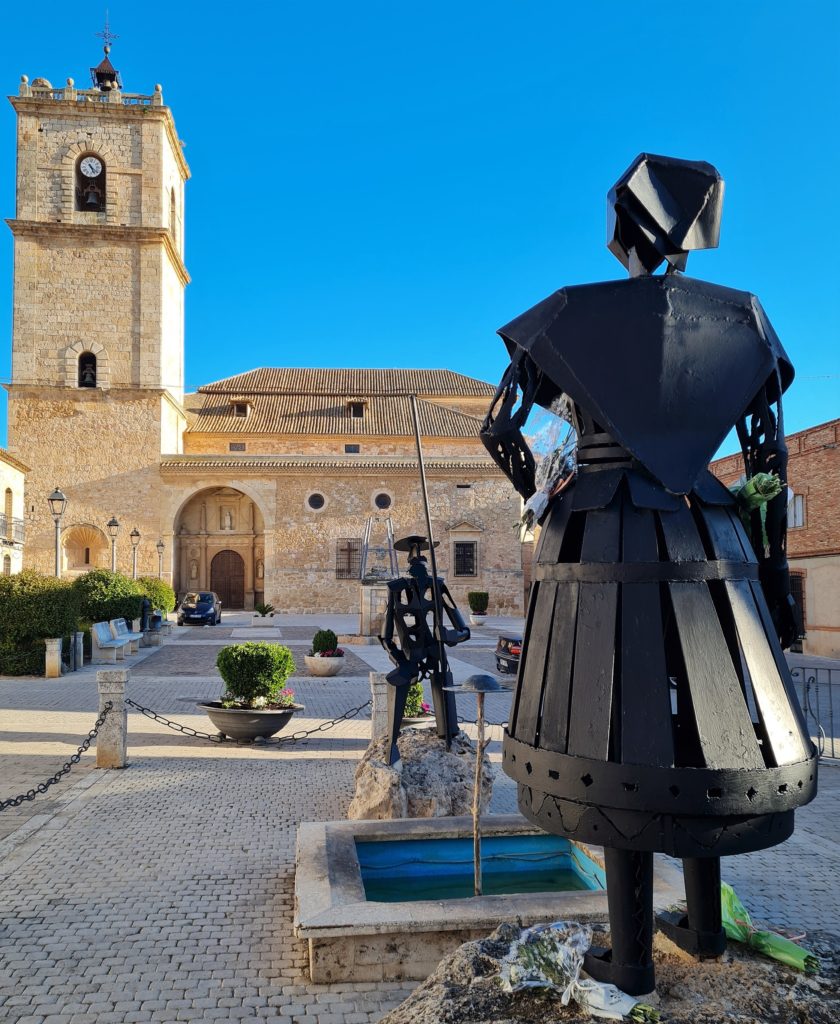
x: 11, y: 529
x: 71, y: 94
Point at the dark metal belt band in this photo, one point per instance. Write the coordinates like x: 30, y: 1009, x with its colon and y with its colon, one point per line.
x: 645, y: 572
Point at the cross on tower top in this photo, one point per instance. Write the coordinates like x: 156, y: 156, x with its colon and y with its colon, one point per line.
x: 106, y: 34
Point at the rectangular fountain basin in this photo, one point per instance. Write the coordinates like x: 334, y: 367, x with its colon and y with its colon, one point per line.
x: 354, y: 938
x: 396, y: 870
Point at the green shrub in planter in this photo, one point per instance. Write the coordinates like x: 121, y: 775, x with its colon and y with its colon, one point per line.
x: 159, y: 593
x: 324, y: 640
x: 106, y: 595
x: 414, y: 701
x: 264, y: 609
x: 255, y: 674
x: 478, y: 601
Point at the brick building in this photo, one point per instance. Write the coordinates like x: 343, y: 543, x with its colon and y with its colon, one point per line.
x: 260, y: 486
x: 813, y: 529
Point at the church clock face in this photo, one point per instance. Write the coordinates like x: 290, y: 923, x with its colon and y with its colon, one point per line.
x: 91, y: 167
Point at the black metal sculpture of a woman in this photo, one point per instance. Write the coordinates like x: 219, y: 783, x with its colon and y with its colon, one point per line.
x: 654, y: 709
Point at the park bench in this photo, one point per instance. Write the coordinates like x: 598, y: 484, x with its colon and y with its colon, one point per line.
x: 120, y: 631
x: 104, y: 646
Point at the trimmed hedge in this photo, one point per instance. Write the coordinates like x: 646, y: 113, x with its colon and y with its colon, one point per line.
x: 105, y: 595
x: 254, y: 672
x: 324, y: 640
x: 32, y: 608
x: 159, y: 593
x: 478, y: 601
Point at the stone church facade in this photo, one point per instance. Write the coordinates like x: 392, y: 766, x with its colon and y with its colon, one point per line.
x: 262, y: 486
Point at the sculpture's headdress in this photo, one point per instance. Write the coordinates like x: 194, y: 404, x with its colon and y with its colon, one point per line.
x: 660, y: 209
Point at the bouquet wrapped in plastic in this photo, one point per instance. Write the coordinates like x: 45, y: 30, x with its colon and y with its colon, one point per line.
x: 551, y: 957
x: 738, y: 925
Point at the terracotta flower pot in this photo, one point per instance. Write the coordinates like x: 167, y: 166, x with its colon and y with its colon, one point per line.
x: 323, y: 666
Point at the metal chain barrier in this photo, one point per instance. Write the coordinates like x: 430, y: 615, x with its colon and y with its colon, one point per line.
x: 42, y: 787
x: 294, y: 737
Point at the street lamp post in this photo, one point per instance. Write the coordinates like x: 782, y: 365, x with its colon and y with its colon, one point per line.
x: 113, y: 527
x: 160, y: 546
x: 58, y: 503
x: 135, y: 540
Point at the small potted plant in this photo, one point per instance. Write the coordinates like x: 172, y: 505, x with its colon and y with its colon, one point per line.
x: 263, y: 615
x: 256, y: 702
x: 417, y: 711
x: 478, y: 601
x: 325, y: 657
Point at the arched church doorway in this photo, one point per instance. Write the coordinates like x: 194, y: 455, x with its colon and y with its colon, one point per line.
x: 219, y: 521
x: 227, y: 578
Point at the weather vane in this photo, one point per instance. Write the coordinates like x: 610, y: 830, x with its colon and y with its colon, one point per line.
x: 107, y: 35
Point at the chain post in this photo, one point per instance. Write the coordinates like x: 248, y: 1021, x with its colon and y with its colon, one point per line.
x: 112, y: 747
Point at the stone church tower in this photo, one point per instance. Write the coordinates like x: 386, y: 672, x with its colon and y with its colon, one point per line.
x: 98, y: 343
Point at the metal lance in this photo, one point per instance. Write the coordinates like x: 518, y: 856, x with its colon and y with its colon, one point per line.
x: 438, y: 612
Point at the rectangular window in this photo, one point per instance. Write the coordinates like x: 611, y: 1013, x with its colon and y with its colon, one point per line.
x: 465, y: 560
x: 357, y: 410
x: 797, y: 592
x: 463, y: 487
x: 351, y: 449
x: 796, y: 511
x: 348, y: 558
x: 236, y: 446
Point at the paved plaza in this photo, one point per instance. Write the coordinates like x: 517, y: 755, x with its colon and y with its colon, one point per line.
x: 164, y: 892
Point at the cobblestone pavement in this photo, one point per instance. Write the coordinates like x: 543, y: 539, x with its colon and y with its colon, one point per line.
x: 164, y: 892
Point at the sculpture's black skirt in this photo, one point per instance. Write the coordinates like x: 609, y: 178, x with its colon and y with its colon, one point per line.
x: 651, y: 677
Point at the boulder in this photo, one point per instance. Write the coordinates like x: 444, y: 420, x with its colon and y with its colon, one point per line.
x: 428, y: 781
x: 742, y: 987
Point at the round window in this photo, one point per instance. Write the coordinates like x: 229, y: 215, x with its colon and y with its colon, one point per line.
x: 315, y: 501
x: 382, y: 500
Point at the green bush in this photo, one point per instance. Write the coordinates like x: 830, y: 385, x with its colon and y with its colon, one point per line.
x: 324, y: 640
x: 106, y: 595
x: 264, y: 609
x: 414, y: 701
x: 254, y: 673
x: 159, y: 593
x: 32, y: 608
x: 478, y: 601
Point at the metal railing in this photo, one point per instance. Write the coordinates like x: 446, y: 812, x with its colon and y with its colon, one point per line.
x: 11, y: 529
x: 818, y: 690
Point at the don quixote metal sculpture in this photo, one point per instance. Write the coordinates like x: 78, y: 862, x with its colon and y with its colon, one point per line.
x: 654, y: 709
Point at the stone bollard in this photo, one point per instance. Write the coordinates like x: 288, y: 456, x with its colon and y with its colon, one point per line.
x: 79, y: 642
x: 379, y: 689
x: 52, y: 666
x: 112, y: 739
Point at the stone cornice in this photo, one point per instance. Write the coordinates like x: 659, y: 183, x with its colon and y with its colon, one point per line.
x: 45, y: 107
x: 190, y: 464
x: 106, y: 233
x: 10, y: 460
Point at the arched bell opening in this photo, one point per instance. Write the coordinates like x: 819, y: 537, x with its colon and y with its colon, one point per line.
x: 90, y: 183
x: 87, y: 370
x: 219, y: 545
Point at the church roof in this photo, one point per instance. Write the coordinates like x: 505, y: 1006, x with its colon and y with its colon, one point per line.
x: 360, y: 383
x: 10, y: 460
x: 324, y: 414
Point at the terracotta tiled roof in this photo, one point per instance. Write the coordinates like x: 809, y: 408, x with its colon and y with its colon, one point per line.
x: 351, y: 383
x: 325, y: 414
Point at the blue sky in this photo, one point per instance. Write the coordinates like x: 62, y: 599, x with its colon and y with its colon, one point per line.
x: 385, y: 184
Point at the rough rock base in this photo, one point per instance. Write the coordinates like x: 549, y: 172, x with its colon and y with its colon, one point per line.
x: 740, y: 988
x: 429, y: 781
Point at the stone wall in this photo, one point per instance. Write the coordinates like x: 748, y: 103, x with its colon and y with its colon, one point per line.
x: 199, y: 442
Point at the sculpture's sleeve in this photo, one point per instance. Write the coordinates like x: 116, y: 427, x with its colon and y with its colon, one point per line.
x: 501, y: 431
x: 762, y: 439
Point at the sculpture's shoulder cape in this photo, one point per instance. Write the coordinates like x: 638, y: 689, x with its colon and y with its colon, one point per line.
x: 666, y: 364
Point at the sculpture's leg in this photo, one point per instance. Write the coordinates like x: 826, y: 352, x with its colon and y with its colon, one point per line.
x: 700, y: 931
x: 629, y: 963
x: 397, y: 696
x: 446, y: 713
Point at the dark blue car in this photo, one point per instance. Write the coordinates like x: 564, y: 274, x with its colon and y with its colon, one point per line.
x: 200, y: 608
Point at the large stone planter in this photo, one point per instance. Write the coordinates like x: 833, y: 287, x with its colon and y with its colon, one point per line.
x: 263, y: 621
x: 323, y: 666
x: 477, y: 620
x: 248, y: 723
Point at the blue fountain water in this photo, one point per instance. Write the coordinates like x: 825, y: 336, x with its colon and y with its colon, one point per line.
x: 404, y: 870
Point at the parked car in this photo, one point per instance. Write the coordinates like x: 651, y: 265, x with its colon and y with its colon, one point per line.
x: 200, y: 607
x: 508, y: 650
